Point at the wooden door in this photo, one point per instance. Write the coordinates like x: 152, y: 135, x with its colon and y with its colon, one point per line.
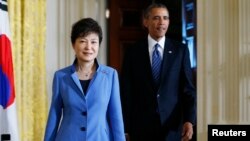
x: 124, y: 27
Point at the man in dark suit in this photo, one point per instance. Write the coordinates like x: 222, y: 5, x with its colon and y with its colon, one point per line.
x: 163, y: 108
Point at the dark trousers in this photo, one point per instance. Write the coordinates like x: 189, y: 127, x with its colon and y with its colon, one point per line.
x: 153, y: 131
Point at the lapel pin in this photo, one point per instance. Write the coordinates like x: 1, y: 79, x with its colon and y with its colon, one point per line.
x: 169, y: 51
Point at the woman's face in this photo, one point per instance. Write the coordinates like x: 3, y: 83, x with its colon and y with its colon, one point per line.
x: 86, y: 48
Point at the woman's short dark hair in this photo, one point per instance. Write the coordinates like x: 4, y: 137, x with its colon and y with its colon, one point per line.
x: 84, y: 27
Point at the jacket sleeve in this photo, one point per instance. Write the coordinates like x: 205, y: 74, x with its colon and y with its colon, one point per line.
x: 115, y: 111
x: 189, y: 90
x: 55, y: 111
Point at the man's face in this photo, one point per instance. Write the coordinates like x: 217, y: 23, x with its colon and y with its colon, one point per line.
x: 157, y: 23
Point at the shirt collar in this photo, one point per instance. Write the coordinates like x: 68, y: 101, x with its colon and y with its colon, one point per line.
x: 152, y: 42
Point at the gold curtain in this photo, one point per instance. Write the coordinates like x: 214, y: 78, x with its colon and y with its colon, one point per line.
x: 28, y: 30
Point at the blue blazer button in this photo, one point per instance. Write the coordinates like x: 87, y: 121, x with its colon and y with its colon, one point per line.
x: 83, y: 128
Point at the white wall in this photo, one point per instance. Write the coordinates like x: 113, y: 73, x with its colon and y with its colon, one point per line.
x: 223, y: 35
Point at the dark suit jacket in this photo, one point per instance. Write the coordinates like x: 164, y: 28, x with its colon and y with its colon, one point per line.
x: 174, y: 101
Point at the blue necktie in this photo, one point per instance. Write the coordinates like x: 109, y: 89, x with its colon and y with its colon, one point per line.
x: 156, y: 64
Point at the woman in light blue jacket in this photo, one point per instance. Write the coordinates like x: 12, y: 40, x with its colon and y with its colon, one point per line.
x: 85, y: 104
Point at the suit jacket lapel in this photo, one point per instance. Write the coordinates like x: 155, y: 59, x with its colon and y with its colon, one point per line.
x: 145, y: 61
x: 78, y: 84
x: 168, y: 56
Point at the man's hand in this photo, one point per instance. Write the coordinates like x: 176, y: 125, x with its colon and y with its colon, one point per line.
x: 187, y: 131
